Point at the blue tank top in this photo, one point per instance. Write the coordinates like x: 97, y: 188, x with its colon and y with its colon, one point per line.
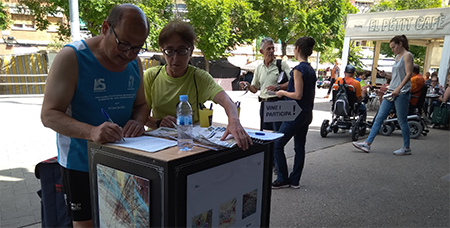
x: 96, y: 88
x: 309, y: 86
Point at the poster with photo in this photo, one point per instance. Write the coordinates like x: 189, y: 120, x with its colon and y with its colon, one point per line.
x: 123, y: 198
x: 203, y: 220
x: 227, y: 213
x: 233, y: 191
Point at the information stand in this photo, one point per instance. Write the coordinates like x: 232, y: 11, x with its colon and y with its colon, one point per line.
x: 169, y: 188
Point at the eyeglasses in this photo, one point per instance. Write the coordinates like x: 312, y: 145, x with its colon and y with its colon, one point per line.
x: 180, y: 51
x: 433, y: 80
x: 126, y: 47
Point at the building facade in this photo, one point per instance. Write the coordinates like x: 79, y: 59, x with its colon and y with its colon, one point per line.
x: 22, y: 36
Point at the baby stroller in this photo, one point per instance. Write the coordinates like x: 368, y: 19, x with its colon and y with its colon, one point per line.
x: 417, y: 124
x: 344, y: 119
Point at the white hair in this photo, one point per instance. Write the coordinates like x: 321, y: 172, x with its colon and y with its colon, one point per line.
x: 264, y: 41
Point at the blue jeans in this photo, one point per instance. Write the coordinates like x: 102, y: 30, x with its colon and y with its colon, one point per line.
x: 297, y: 128
x: 401, y: 104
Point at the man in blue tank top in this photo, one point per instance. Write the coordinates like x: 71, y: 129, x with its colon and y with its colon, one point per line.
x: 86, y: 76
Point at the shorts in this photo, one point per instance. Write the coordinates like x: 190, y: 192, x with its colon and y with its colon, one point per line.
x: 77, y: 193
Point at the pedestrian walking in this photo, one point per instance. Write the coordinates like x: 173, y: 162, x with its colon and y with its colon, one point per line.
x: 397, y: 95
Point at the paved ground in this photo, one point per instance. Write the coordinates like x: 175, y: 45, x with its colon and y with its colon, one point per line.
x: 340, y: 187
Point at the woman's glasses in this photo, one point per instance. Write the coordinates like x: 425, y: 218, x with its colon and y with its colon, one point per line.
x: 180, y: 51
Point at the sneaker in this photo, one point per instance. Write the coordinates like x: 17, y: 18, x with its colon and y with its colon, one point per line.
x: 362, y: 146
x: 326, y: 96
x: 276, y: 184
x: 403, y: 151
x: 295, y: 186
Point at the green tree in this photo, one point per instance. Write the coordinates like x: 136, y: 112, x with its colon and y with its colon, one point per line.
x: 5, y: 20
x: 287, y: 20
x: 395, y: 5
x: 93, y: 12
x: 221, y: 25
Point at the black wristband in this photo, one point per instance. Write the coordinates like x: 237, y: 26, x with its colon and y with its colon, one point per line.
x: 157, y: 123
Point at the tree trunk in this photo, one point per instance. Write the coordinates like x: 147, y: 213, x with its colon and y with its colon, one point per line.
x: 206, y: 64
x: 283, y: 48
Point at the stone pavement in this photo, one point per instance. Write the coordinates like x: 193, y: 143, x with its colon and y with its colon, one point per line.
x: 340, y: 187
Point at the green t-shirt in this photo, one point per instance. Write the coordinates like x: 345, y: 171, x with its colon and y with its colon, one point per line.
x: 162, y: 92
x: 362, y: 83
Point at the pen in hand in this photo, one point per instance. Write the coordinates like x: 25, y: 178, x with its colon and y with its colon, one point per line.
x: 108, y: 118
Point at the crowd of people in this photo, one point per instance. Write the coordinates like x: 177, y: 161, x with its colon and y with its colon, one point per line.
x: 105, y: 71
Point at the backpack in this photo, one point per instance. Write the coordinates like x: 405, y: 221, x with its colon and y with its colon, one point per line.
x: 341, y: 103
x: 282, y: 77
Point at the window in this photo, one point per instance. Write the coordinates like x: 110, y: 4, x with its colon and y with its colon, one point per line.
x: 22, y: 22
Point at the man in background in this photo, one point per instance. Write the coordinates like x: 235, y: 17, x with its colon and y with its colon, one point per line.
x: 265, y: 78
x: 350, y: 80
x: 417, y: 83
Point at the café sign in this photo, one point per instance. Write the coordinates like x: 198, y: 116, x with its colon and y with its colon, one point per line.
x: 429, y: 22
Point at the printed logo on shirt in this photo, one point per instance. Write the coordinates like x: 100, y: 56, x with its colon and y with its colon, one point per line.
x: 99, y: 85
x: 131, y: 82
x: 75, y: 206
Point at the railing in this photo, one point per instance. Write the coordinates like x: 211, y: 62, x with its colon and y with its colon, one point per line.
x: 22, y: 84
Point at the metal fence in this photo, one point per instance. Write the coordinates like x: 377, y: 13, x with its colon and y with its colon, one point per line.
x: 23, y: 74
x: 26, y: 74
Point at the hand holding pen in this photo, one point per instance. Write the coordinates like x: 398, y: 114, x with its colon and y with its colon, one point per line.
x: 105, y: 114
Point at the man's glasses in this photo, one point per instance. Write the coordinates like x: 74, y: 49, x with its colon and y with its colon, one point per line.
x: 126, y: 47
x: 180, y: 51
x: 433, y: 80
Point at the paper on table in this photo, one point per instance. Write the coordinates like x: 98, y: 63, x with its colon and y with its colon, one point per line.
x: 268, y: 136
x: 146, y: 143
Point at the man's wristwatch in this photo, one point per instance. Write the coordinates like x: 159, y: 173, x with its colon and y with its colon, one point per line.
x: 157, y: 123
x: 277, y: 87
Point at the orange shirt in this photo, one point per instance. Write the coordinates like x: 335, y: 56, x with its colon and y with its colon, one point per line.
x: 417, y: 82
x: 350, y: 81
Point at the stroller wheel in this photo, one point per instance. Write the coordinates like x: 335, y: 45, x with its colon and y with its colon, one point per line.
x: 335, y: 128
x: 323, y: 128
x: 355, y: 132
x: 362, y: 130
x: 415, y: 129
x: 386, y: 129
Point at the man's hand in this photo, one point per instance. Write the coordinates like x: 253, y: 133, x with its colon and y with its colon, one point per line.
x: 133, y: 128
x: 244, y: 84
x: 271, y: 88
x: 168, y: 121
x: 106, y: 132
x: 243, y: 140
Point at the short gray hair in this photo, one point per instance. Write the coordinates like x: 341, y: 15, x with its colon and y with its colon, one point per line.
x: 264, y: 41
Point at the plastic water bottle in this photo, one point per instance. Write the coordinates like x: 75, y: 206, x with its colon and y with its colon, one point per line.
x: 184, y: 122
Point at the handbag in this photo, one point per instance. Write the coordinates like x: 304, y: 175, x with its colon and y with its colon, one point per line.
x: 440, y: 115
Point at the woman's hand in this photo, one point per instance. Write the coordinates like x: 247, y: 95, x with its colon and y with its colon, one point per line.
x: 396, y: 92
x: 168, y: 121
x: 280, y: 93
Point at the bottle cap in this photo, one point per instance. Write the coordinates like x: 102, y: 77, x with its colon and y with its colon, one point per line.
x: 183, y: 97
